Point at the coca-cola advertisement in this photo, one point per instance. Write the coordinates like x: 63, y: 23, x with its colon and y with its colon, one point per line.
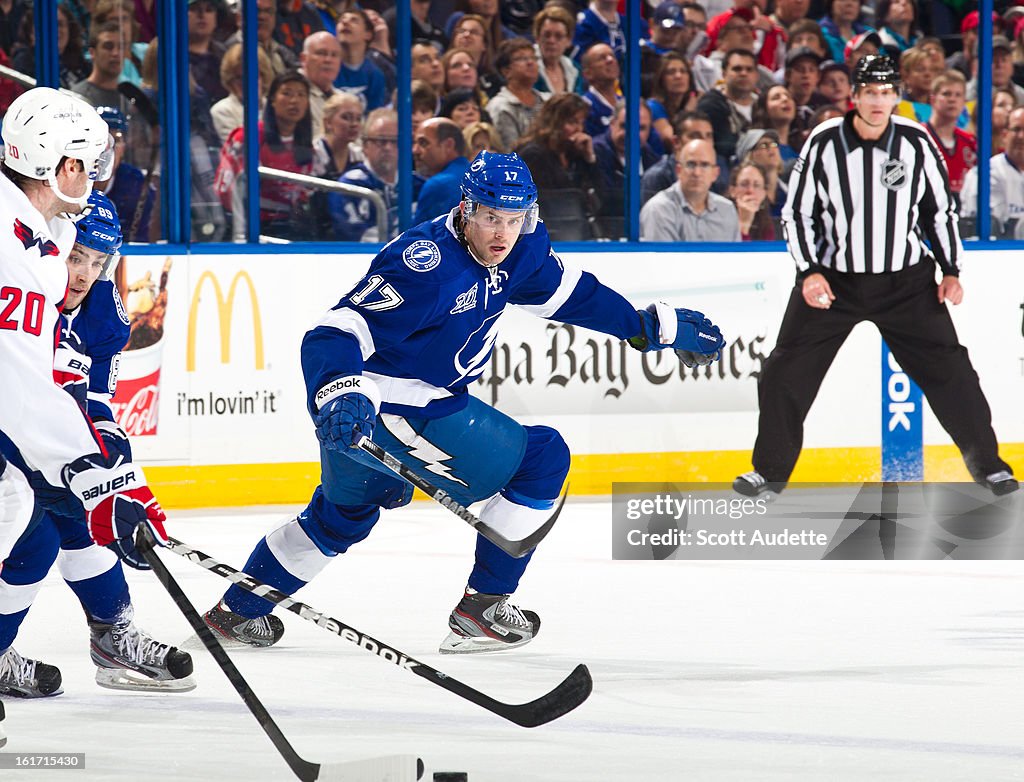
x: 136, y: 402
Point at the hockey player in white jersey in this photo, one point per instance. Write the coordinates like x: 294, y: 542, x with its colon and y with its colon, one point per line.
x: 393, y: 360
x: 93, y: 329
x: 54, y: 147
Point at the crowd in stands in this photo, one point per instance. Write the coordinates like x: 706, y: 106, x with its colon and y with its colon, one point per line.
x: 730, y: 90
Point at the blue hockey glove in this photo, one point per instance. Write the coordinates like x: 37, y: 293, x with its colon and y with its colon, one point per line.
x: 114, y: 438
x: 695, y: 339
x: 346, y: 411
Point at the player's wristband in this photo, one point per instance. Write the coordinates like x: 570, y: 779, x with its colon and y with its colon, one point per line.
x: 349, y: 384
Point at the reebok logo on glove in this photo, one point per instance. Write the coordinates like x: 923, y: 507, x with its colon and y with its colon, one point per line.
x: 109, y: 487
x: 350, y: 383
x: 707, y: 336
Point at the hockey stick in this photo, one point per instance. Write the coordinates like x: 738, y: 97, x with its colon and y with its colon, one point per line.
x: 400, y: 767
x: 561, y: 700
x: 514, y: 548
x: 149, y: 113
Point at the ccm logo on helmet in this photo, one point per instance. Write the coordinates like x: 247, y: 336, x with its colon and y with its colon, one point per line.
x: 109, y: 487
x: 348, y: 383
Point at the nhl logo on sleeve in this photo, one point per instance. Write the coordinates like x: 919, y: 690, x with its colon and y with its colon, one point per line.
x: 422, y: 256
x: 894, y: 174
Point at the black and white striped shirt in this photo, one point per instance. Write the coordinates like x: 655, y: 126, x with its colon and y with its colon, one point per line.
x: 868, y: 206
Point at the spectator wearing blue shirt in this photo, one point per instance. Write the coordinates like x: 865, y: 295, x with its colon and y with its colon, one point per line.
x: 610, y: 148
x: 601, y: 22
x: 601, y: 72
x: 128, y: 188
x: 355, y: 218
x: 358, y: 75
x: 439, y: 150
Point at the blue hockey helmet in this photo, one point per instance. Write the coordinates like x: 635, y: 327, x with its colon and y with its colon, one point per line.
x: 114, y: 118
x: 501, y: 182
x: 100, y: 229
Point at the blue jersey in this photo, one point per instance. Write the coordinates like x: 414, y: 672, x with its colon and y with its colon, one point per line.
x: 441, y: 192
x: 423, y: 320
x: 354, y: 218
x: 366, y: 82
x: 591, y: 29
x: 99, y: 327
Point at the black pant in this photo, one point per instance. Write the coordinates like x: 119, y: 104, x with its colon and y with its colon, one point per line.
x: 904, y: 306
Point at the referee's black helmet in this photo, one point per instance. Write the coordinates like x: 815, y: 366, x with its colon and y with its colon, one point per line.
x: 876, y: 69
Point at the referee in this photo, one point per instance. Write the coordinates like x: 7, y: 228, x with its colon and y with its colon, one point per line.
x: 866, y: 193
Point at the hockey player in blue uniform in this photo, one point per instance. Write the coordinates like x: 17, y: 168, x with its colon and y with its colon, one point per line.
x: 394, y: 359
x: 93, y: 330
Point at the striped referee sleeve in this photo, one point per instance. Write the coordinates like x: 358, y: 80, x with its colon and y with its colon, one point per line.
x: 800, y: 221
x: 938, y: 217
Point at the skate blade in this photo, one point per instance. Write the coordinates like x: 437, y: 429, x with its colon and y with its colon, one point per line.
x: 121, y: 679
x: 12, y: 693
x: 461, y: 644
x: 193, y: 643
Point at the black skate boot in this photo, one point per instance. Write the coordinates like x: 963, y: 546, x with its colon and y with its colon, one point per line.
x: 126, y: 658
x: 488, y: 623
x: 1001, y: 483
x: 25, y: 678
x: 753, y: 484
x: 235, y: 630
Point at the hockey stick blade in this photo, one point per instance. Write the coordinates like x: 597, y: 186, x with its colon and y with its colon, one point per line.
x: 399, y: 767
x: 141, y: 101
x: 573, y: 691
x: 514, y: 548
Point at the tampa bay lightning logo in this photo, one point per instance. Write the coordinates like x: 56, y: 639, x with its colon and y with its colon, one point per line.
x: 477, y: 165
x: 422, y: 256
x: 470, y: 358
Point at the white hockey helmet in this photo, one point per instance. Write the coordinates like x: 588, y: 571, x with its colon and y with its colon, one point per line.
x: 43, y: 125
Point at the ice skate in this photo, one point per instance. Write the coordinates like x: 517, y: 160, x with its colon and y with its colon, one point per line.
x: 23, y: 678
x: 3, y: 736
x: 1000, y: 483
x: 753, y: 484
x: 488, y: 623
x: 128, y: 659
x: 236, y: 631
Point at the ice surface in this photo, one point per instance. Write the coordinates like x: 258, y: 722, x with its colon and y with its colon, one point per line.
x: 703, y: 671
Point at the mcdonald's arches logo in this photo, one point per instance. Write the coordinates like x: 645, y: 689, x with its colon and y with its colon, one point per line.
x: 225, y: 312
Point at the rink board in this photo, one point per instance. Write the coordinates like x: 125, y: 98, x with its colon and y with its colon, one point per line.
x: 216, y: 408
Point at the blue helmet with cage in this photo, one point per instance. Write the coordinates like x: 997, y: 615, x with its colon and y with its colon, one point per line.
x: 100, y: 229
x: 500, y: 182
x: 114, y: 118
